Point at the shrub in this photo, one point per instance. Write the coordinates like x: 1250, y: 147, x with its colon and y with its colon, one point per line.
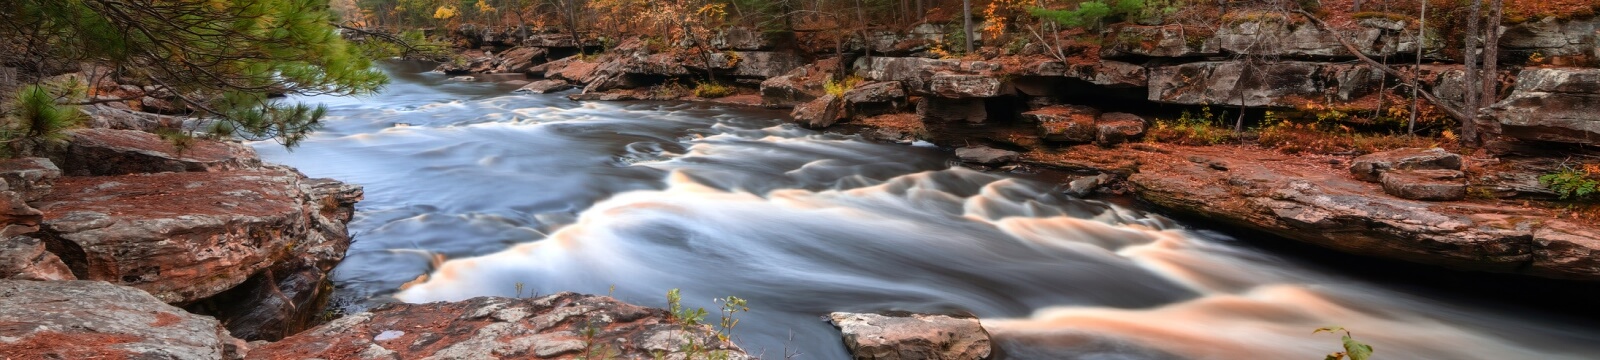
x: 711, y: 89
x: 1574, y: 184
x: 36, y: 115
x: 1192, y: 129
x: 839, y: 87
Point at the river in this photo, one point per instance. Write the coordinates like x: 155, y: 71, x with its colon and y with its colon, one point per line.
x: 535, y: 194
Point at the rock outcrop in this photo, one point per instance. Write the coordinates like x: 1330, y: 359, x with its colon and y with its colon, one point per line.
x: 564, y: 325
x: 96, y: 320
x: 912, y: 336
x: 1371, y: 167
x: 1557, y: 105
x: 1320, y: 206
x: 25, y: 258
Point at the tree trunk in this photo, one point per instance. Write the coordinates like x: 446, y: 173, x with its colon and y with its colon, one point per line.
x: 1469, y: 130
x: 966, y: 22
x: 1491, y: 57
x: 1416, y: 102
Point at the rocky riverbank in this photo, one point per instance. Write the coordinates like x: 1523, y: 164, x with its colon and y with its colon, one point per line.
x: 1019, y: 109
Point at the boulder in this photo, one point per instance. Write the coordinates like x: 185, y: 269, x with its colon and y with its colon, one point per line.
x: 545, y: 86
x: 99, y: 152
x: 1429, y: 185
x: 1066, y: 123
x: 957, y: 86
x: 1371, y: 167
x: 182, y: 236
x: 520, y: 59
x: 1159, y: 41
x: 548, y: 327
x: 986, y: 155
x: 1116, y: 128
x: 873, y: 99
x: 96, y: 320
x: 16, y: 216
x: 820, y: 113
x: 105, y: 117
x: 1567, y: 250
x: 945, y: 109
x: 798, y: 86
x: 25, y: 258
x: 1558, y: 105
x: 1107, y: 73
x: 912, y: 71
x: 33, y: 178
x: 912, y: 336
x: 1563, y: 42
x: 753, y: 64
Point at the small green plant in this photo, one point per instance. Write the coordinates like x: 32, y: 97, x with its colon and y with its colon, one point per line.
x: 1353, y: 349
x: 730, y: 305
x: 1193, y: 128
x: 840, y: 86
x: 713, y: 90
x: 519, y: 290
x: 1574, y: 184
x: 592, y: 350
x: 36, y: 114
x: 684, y: 316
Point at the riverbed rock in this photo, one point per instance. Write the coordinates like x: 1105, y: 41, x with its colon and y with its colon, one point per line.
x: 912, y: 336
x: 31, y: 177
x: 1066, y: 123
x: 986, y: 155
x: 25, y: 258
x: 97, y: 320
x: 99, y: 152
x: 520, y: 59
x: 1557, y: 105
x: 502, y: 328
x: 1430, y: 185
x: 1563, y: 249
x: 1371, y: 167
x: 545, y: 86
x: 182, y: 236
x: 1116, y: 128
x: 820, y: 113
x: 1289, y: 197
x: 939, y: 109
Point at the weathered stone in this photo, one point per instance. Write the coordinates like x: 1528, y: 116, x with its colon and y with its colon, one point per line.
x: 753, y: 64
x: 986, y: 155
x: 944, y: 109
x: 1564, y: 249
x: 1429, y: 185
x: 1159, y: 41
x: 1268, y: 84
x: 33, y: 178
x: 820, y: 113
x: 798, y: 86
x: 545, y: 86
x: 913, y: 72
x: 873, y: 99
x: 180, y: 236
x: 1560, y: 105
x: 502, y: 328
x: 1562, y: 42
x: 912, y: 336
x: 740, y: 38
x: 96, y: 320
x: 520, y: 59
x: 25, y: 258
x: 115, y: 152
x: 966, y: 86
x: 1107, y: 73
x: 1066, y: 123
x: 1371, y: 167
x: 1276, y: 37
x: 104, y: 117
x: 1116, y: 128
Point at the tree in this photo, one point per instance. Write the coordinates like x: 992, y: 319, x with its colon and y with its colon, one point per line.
x: 966, y: 23
x: 224, y: 58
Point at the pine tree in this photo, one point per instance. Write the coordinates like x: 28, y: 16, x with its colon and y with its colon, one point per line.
x: 224, y: 58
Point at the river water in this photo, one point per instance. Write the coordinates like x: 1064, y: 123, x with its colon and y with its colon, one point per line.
x: 534, y: 194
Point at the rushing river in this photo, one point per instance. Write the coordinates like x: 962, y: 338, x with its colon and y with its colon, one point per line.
x: 534, y: 194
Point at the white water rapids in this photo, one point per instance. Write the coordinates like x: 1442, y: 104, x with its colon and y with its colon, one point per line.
x: 633, y: 199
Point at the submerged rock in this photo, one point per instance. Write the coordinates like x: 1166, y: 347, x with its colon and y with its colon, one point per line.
x: 986, y: 155
x: 96, y: 320
x: 912, y: 336
x: 564, y: 325
x: 545, y: 86
x: 820, y: 113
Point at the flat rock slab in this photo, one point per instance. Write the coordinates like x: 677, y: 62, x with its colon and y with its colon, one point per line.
x: 99, y: 152
x: 545, y: 86
x: 1069, y: 123
x: 1371, y: 167
x: 986, y: 155
x: 97, y: 320
x: 548, y: 327
x: 1430, y: 185
x: 912, y: 336
x: 181, y: 236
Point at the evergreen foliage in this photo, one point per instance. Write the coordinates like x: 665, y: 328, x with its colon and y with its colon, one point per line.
x: 222, y: 57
